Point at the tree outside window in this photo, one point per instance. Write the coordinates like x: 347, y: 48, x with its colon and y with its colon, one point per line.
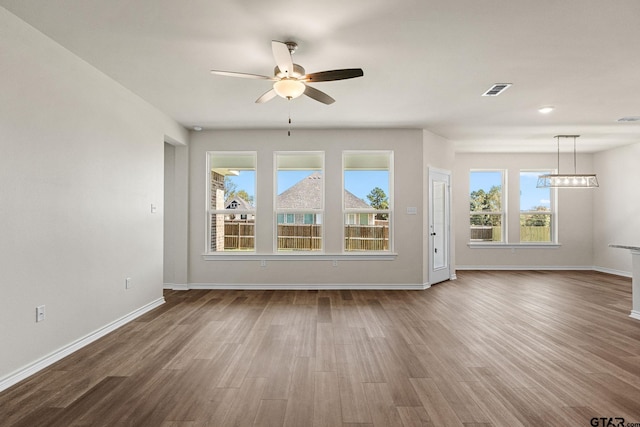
x: 486, y: 205
x: 378, y: 200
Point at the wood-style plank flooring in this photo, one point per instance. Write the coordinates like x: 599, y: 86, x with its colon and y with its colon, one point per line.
x: 526, y: 348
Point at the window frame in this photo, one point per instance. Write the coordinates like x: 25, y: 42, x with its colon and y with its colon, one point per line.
x: 277, y: 211
x: 503, y: 213
x: 553, y: 199
x: 210, y: 211
x: 390, y: 212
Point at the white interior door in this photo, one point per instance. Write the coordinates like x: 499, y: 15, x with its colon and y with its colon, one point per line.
x: 439, y: 229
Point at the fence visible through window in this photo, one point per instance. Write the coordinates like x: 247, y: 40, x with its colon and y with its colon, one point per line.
x: 366, y: 237
x: 300, y: 237
x: 239, y: 236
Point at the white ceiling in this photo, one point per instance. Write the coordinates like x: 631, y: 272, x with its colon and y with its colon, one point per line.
x: 425, y: 62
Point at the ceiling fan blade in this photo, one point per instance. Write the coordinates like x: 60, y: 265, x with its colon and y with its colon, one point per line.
x: 243, y: 75
x: 267, y: 96
x: 283, y: 57
x: 318, y: 95
x: 327, y: 76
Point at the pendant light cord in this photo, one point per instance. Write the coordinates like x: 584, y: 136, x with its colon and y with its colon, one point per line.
x: 575, y: 162
x: 289, y: 129
x: 575, y: 169
x: 558, y: 142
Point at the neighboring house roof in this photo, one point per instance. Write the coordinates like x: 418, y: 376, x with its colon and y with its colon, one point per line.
x: 238, y: 203
x: 307, y: 194
x: 351, y: 201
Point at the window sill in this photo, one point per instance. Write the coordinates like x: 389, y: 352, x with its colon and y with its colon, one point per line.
x: 376, y: 256
x: 480, y: 245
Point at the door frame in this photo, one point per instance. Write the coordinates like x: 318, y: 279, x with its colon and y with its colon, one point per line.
x: 432, y: 279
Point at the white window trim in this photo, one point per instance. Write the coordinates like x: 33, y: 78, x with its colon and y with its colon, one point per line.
x: 504, y: 212
x: 553, y: 195
x: 389, y: 211
x: 209, y: 212
x: 304, y: 256
x: 276, y: 210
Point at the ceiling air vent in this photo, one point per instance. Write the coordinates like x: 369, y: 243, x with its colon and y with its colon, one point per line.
x: 629, y: 119
x: 497, y: 89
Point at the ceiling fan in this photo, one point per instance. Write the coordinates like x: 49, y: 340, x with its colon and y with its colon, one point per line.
x: 290, y: 80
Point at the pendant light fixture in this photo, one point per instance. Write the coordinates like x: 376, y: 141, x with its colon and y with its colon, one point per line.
x: 574, y: 180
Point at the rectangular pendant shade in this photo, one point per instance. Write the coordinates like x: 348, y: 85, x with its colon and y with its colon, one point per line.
x: 574, y: 180
x: 567, y: 181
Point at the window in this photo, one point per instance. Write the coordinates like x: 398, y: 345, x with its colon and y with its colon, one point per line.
x: 487, y: 204
x: 367, y: 200
x: 232, y: 201
x: 299, y: 201
x: 536, y: 209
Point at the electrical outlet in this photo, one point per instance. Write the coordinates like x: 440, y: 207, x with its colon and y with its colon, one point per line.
x: 263, y: 263
x: 334, y: 263
x: 127, y: 283
x: 40, y: 314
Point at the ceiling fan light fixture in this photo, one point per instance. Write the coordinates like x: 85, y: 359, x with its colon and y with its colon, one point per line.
x: 289, y: 88
x: 290, y: 79
x: 296, y: 73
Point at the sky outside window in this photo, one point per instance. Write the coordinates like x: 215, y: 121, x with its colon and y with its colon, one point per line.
x: 484, y: 180
x: 531, y: 196
x: 245, y: 180
x: 361, y: 182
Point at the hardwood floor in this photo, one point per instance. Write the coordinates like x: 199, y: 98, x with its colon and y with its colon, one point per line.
x: 526, y: 348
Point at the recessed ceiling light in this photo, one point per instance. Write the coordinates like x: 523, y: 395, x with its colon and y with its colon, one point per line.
x: 546, y: 110
x: 197, y: 128
x: 629, y: 119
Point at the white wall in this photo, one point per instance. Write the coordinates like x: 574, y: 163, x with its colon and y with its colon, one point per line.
x: 575, y: 217
x: 406, y: 269
x: 81, y: 162
x: 176, y: 217
x: 169, y: 214
x: 438, y: 153
x: 616, y: 207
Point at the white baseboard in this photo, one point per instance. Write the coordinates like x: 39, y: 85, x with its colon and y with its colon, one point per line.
x: 612, y: 271
x: 453, y: 276
x: 176, y: 286
x: 545, y: 267
x: 42, y: 363
x: 307, y: 287
x: 522, y: 267
x: 635, y: 314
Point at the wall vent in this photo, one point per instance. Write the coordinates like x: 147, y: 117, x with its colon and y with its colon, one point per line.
x: 497, y: 89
